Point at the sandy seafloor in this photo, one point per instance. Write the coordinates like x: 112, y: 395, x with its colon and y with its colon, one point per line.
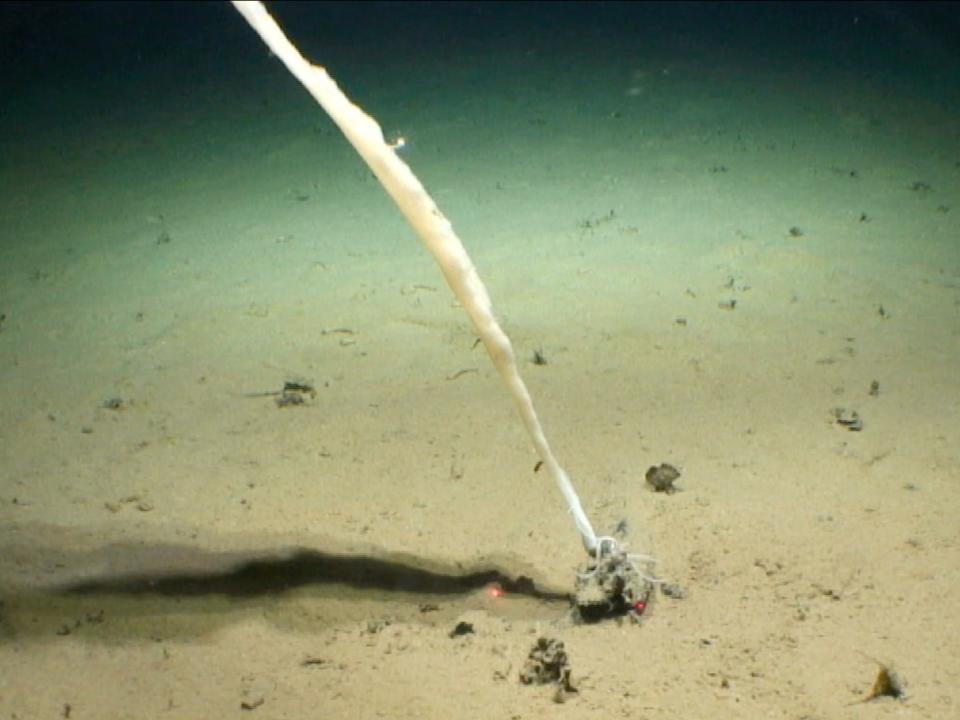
x: 176, y: 240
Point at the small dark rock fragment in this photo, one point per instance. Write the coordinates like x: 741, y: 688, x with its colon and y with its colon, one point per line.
x: 874, y: 388
x: 462, y: 628
x: 661, y: 478
x: 547, y: 663
x: 113, y: 403
x: 311, y: 660
x: 296, y: 392
x: 795, y: 232
x: 299, y: 385
x: 850, y: 419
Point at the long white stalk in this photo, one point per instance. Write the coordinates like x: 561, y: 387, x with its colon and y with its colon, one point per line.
x: 434, y: 230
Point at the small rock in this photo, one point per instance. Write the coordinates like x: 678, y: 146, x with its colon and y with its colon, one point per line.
x: 462, y: 628
x: 850, y: 419
x: 546, y: 663
x: 661, y: 478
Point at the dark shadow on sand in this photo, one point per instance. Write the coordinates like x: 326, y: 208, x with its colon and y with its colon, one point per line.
x: 57, y: 582
x: 268, y: 576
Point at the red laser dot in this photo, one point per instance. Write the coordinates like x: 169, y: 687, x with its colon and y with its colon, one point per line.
x: 496, y: 591
x: 639, y: 607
